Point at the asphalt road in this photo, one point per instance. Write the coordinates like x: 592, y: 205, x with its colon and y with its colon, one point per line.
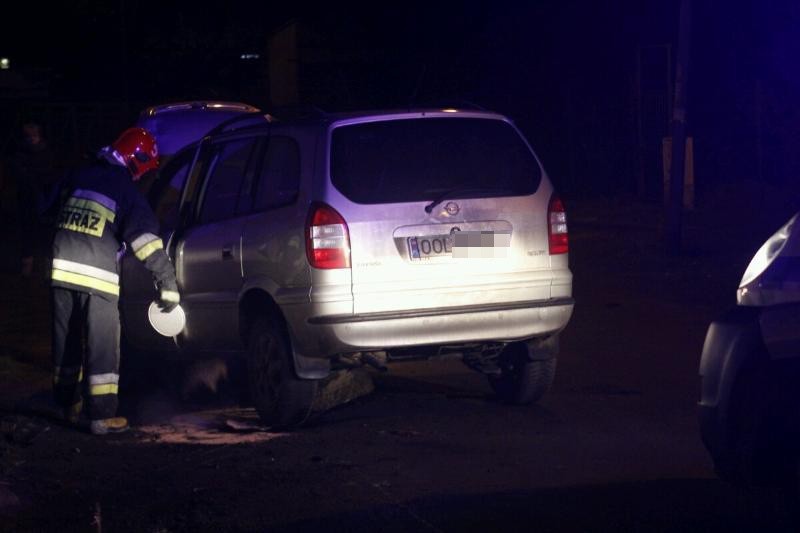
x: 614, y: 446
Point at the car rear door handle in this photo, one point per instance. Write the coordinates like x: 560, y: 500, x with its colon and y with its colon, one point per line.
x: 227, y: 253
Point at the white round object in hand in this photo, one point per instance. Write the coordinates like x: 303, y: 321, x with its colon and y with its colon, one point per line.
x: 167, y: 324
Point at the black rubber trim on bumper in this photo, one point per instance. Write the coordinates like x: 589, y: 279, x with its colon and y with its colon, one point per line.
x: 392, y: 315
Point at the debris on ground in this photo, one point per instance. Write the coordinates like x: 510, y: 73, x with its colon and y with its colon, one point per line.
x: 243, y: 426
x: 342, y: 386
x: 22, y: 430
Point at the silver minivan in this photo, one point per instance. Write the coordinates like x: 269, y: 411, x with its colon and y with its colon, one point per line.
x: 362, y: 238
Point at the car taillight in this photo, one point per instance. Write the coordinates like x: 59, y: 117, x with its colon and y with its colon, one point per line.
x: 327, y: 238
x: 557, y: 226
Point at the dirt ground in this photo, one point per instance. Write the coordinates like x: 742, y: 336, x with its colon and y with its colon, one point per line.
x: 613, y: 447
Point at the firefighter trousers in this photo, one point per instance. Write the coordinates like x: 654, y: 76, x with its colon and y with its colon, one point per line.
x: 85, y: 351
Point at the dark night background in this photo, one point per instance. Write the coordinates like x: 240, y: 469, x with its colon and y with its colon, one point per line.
x: 588, y: 82
x: 615, y: 446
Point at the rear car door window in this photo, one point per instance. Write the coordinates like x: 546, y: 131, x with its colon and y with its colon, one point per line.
x: 224, y: 184
x: 279, y: 179
x: 187, y: 209
x: 165, y: 191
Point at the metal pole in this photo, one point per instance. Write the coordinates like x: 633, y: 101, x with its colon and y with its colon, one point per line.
x: 640, y: 178
x: 674, y: 226
x: 759, y: 119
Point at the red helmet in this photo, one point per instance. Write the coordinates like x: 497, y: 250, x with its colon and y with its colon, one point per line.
x: 138, y: 150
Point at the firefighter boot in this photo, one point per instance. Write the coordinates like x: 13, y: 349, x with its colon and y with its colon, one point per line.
x: 72, y: 414
x: 104, y: 426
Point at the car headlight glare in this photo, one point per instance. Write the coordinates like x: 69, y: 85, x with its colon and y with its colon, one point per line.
x: 767, y: 253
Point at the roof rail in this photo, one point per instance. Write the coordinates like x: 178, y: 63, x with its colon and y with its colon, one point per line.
x: 457, y: 103
x: 250, y: 119
x: 200, y: 104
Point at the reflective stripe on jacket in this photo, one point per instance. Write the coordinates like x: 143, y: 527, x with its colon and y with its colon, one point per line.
x: 102, y: 209
x: 86, y: 276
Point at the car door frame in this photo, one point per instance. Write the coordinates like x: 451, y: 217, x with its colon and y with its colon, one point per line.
x: 137, y: 286
x: 190, y: 209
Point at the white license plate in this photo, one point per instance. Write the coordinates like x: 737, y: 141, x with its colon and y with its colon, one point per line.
x: 420, y: 248
x: 467, y: 244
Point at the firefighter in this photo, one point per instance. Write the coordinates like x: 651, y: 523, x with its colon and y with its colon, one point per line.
x: 101, y: 212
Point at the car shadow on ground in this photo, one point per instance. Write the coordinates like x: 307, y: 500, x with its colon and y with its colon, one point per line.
x: 208, y: 397
x: 157, y: 390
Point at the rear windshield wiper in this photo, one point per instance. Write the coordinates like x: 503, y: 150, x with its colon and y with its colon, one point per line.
x: 464, y: 190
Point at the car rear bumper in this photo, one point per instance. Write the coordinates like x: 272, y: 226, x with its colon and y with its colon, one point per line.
x: 333, y: 334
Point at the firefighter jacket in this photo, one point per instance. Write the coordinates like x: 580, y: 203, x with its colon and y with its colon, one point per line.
x: 101, y: 209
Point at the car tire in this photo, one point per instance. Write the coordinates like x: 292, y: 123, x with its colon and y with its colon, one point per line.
x: 756, y: 456
x: 791, y: 492
x: 281, y: 399
x: 748, y: 429
x: 522, y: 381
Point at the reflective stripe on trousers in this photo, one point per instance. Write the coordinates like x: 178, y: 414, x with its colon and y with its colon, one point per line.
x: 100, y: 384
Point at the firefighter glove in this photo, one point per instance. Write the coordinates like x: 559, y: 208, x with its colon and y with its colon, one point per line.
x: 168, y: 296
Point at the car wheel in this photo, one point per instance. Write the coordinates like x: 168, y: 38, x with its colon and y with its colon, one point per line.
x: 758, y: 454
x: 738, y: 461
x: 281, y: 399
x: 522, y: 381
x: 792, y: 492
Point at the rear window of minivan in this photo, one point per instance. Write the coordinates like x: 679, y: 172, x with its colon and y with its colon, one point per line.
x: 412, y: 160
